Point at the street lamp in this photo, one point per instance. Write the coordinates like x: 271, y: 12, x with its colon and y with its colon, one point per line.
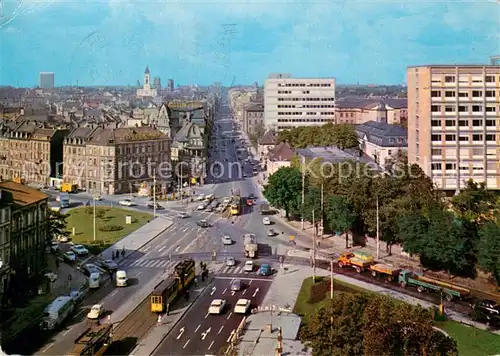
x: 93, y: 198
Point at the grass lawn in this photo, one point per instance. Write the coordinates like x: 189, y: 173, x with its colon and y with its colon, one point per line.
x: 110, y: 225
x: 470, y: 341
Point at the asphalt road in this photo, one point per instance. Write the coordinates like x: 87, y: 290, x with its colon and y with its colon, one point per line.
x: 199, y: 333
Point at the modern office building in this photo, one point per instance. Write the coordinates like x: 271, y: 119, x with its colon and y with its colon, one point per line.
x: 170, y: 85
x: 291, y: 102
x: 454, y: 123
x: 47, y: 80
x: 157, y: 83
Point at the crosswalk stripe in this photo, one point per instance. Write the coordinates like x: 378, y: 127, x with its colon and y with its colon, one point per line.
x: 237, y: 270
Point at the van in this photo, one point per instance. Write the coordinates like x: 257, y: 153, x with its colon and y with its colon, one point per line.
x: 121, y: 279
x: 94, y: 280
x: 56, y: 312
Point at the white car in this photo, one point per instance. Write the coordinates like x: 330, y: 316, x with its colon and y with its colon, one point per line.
x: 183, y: 215
x: 69, y: 256
x: 95, y: 312
x: 226, y: 240
x: 201, y: 207
x: 242, y: 306
x: 80, y: 250
x: 217, y: 306
x: 127, y: 202
x: 230, y: 261
x: 266, y: 221
x: 226, y: 200
x: 249, y: 266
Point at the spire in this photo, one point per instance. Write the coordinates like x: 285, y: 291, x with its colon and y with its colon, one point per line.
x: 147, y: 70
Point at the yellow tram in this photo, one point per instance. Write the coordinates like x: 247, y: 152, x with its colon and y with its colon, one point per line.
x: 174, y: 285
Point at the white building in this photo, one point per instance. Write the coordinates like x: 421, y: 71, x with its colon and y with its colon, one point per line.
x: 147, y: 90
x: 292, y: 102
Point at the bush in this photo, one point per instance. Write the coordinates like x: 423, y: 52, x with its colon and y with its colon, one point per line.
x: 110, y: 228
x: 319, y: 290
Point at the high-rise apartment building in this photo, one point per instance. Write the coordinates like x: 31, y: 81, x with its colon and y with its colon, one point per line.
x: 46, y: 80
x: 157, y: 83
x: 291, y: 102
x: 170, y: 85
x: 454, y: 123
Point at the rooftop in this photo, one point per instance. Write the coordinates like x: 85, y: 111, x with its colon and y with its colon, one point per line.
x: 457, y: 65
x: 383, y: 134
x: 20, y: 194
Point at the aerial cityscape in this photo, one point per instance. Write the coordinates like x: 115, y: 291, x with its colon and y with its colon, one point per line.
x: 226, y: 178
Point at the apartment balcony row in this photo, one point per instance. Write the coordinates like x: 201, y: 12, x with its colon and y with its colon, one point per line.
x: 465, y: 99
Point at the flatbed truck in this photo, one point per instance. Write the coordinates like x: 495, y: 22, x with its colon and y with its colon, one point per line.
x: 251, y: 246
x: 390, y: 272
x: 358, y: 261
x: 422, y: 283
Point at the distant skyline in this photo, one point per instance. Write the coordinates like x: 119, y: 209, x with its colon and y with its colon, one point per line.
x: 201, y: 42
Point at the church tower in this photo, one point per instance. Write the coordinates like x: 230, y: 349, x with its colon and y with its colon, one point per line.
x: 147, y: 90
x: 147, y: 75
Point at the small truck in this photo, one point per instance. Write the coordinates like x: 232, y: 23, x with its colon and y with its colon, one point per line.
x: 358, y: 260
x: 423, y: 283
x: 388, y: 271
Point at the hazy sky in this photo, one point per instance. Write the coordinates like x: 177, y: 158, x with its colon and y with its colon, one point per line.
x: 111, y: 42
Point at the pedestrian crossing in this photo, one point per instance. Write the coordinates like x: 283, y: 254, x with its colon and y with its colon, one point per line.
x: 149, y: 263
x: 237, y: 270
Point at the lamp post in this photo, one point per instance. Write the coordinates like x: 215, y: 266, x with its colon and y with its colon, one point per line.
x: 93, y: 219
x: 154, y: 193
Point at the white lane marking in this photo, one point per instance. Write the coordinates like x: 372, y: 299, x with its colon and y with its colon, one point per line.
x: 255, y: 293
x: 177, y: 248
x: 250, y: 282
x: 66, y: 332
x: 224, y: 291
x: 233, y: 292
x: 114, y: 292
x: 138, y: 274
x: 231, y: 335
x: 220, y: 330
x: 246, y: 279
x: 211, y: 345
x: 198, y: 328
x: 48, y: 347
x: 187, y: 342
x: 213, y: 291
x: 185, y: 229
x: 181, y: 331
x: 231, y: 313
x: 147, y: 248
x: 162, y: 248
x: 206, y: 316
x: 148, y: 253
x: 244, y: 291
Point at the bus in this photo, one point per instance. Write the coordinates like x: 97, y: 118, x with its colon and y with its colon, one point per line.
x: 57, y: 311
x: 94, y: 341
x: 174, y: 285
x: 235, y: 205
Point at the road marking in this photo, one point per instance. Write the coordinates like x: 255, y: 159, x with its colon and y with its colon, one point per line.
x: 220, y: 330
x: 181, y: 331
x: 185, y: 229
x: 243, y: 293
x: 199, y: 326
x: 204, y: 334
x: 162, y: 248
x: 147, y: 248
x: 250, y: 282
x: 211, y: 345
x: 231, y: 313
x: 138, y: 274
x: 187, y: 342
x: 233, y: 292
x: 231, y: 335
x: 225, y: 290
x: 255, y: 293
x: 246, y: 279
x: 213, y: 291
x: 206, y: 316
x: 148, y: 253
x: 112, y: 294
x: 66, y: 332
x: 48, y: 347
x: 177, y: 248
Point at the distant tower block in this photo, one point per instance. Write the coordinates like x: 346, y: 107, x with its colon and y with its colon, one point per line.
x: 495, y: 60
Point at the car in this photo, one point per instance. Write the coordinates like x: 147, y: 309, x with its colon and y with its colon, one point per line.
x: 230, y: 261
x: 271, y: 232
x: 265, y: 270
x: 158, y: 206
x: 217, y: 306
x: 226, y: 240
x: 201, y: 207
x: 242, y: 306
x: 95, y: 312
x: 236, y: 285
x: 249, y: 266
x: 97, y: 198
x: 203, y: 223
x: 109, y: 265
x: 80, y: 250
x: 127, y: 202
x: 69, y: 256
x: 183, y: 215
x: 252, y: 196
x: 266, y: 221
x: 90, y: 268
x: 209, y: 209
x: 219, y: 208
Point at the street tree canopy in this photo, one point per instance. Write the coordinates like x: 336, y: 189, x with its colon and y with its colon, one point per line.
x: 56, y: 225
x: 342, y: 136
x: 489, y: 249
x: 284, y: 190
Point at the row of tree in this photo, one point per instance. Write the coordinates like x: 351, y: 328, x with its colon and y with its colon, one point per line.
x: 451, y: 234
x: 369, y: 325
x: 342, y: 136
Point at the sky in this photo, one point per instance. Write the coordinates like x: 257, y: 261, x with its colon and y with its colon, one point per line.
x: 110, y: 42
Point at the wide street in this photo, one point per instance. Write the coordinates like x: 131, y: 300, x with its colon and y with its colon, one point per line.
x: 200, y: 333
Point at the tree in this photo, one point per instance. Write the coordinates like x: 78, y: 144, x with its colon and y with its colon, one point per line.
x: 346, y: 137
x: 312, y: 202
x: 474, y: 202
x: 489, y: 249
x: 339, y: 216
x: 56, y: 225
x: 284, y: 190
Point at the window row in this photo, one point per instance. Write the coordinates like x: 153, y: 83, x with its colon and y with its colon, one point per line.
x: 453, y: 79
x: 303, y: 113
x: 463, y: 108
x: 462, y: 94
x: 306, y: 106
x: 464, y: 123
x: 453, y: 137
x: 453, y: 166
x: 305, y: 120
x: 316, y: 85
x: 306, y: 99
x: 476, y: 151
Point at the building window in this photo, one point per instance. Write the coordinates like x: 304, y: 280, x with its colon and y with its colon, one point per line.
x: 450, y: 122
x: 449, y: 108
x: 490, y: 123
x: 436, y: 152
x: 490, y: 108
x: 477, y: 93
x: 435, y: 93
x: 450, y: 137
x: 490, y: 137
x: 449, y: 94
x: 463, y: 138
x: 436, y: 166
x: 477, y: 137
x: 477, y: 123
x: 436, y: 137
x: 451, y: 166
x: 477, y: 108
x: 489, y: 79
x: 435, y: 123
x: 435, y: 108
x: 478, y: 151
x: 463, y: 94
x: 449, y: 79
x: 463, y: 123
x: 462, y: 108
x: 490, y: 93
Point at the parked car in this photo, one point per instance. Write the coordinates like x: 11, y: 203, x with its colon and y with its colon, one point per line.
x: 203, y: 223
x: 201, y: 206
x: 109, y: 265
x: 127, y: 202
x: 95, y: 312
x: 266, y: 221
x: 217, y: 306
x: 80, y: 250
x: 271, y: 232
x: 90, y: 268
x: 265, y: 270
x: 54, y: 247
x: 69, y: 256
x: 226, y: 240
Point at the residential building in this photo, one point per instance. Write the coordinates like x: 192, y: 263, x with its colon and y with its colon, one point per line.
x: 147, y: 90
x: 380, y: 140
x: 253, y: 119
x: 47, y: 80
x: 454, y: 123
x: 112, y: 161
x: 291, y: 102
x: 360, y: 110
x: 31, y: 152
x: 280, y: 156
x: 266, y: 143
x: 190, y: 146
x: 23, y: 240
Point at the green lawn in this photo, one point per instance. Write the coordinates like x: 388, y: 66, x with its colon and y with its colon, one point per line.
x: 110, y: 225
x: 471, y: 341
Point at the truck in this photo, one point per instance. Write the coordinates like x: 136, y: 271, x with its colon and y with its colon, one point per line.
x: 236, y: 203
x: 63, y: 199
x: 69, y: 188
x: 423, y: 283
x: 94, y: 341
x: 264, y: 209
x: 390, y: 272
x: 358, y: 260
x: 251, y: 246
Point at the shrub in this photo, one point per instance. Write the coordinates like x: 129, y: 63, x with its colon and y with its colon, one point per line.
x: 319, y: 290
x: 110, y: 227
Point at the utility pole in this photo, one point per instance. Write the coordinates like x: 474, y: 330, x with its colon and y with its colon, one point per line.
x: 378, y: 232
x: 154, y: 193
x: 314, y: 250
x: 331, y: 278
x: 322, y: 209
x: 93, y: 219
x: 303, y: 190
